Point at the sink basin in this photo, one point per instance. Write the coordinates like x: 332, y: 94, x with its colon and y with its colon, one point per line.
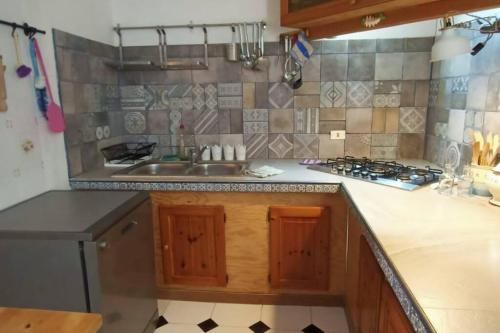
x: 158, y: 169
x: 218, y: 169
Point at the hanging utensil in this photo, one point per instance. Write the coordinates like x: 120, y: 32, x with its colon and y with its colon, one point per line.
x: 54, y: 113
x: 165, y: 56
x: 21, y: 69
x: 160, y: 46
x: 298, y: 83
x: 242, y: 46
x: 232, y: 49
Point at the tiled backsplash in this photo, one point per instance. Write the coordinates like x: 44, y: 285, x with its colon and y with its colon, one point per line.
x: 464, y: 96
x: 377, y: 90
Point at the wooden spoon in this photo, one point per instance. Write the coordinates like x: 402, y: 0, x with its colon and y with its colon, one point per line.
x: 476, y: 152
x: 484, y: 154
x: 478, y: 137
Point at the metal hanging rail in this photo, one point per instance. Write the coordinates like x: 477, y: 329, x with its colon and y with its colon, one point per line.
x: 28, y: 29
x: 164, y: 62
x: 184, y: 26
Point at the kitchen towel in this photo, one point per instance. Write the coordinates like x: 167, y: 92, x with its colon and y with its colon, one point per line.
x: 264, y: 171
x: 302, y: 50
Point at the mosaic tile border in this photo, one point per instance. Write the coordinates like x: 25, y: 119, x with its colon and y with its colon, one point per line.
x: 205, y: 186
x: 409, y: 305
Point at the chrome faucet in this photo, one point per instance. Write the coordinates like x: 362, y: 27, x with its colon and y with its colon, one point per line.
x: 194, y: 156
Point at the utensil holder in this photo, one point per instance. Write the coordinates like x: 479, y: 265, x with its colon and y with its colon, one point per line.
x: 228, y: 152
x: 241, y: 152
x: 216, y: 153
x: 205, y: 156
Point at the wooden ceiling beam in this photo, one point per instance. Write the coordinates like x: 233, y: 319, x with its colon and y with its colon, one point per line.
x: 402, y: 16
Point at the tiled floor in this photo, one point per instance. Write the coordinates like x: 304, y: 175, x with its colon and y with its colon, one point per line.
x: 191, y: 317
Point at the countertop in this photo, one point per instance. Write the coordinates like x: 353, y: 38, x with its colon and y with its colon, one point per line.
x: 79, y: 215
x: 446, y: 250
x: 15, y: 320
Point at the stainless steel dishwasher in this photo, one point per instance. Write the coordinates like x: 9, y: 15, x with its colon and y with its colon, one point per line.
x: 122, y: 289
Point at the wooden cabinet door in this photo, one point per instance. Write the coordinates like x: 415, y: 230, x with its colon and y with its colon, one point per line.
x: 299, y: 248
x: 193, y: 246
x: 392, y: 317
x: 352, y: 270
x: 370, y: 281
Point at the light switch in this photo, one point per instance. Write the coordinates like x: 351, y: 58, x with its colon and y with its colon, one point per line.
x: 337, y: 135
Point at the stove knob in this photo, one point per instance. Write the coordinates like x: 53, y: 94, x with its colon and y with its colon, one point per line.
x: 364, y: 174
x: 373, y: 176
x: 355, y: 173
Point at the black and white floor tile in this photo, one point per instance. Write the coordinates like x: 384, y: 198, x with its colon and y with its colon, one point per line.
x: 197, y: 317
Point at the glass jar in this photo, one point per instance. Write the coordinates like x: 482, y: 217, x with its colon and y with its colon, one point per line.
x: 446, y: 180
x: 464, y: 182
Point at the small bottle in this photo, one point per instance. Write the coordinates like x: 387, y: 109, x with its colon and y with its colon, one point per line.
x: 182, y: 147
x: 446, y: 180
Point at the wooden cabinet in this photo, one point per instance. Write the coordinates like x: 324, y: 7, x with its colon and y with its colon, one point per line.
x: 370, y: 282
x: 352, y: 269
x: 392, y: 318
x: 321, y: 18
x: 299, y: 249
x: 192, y: 244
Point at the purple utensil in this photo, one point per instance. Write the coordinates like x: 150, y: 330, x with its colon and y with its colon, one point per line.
x: 21, y: 69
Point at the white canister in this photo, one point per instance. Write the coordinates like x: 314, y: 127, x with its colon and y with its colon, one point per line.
x: 241, y: 152
x: 205, y: 156
x: 228, y: 152
x: 216, y: 153
x: 493, y: 183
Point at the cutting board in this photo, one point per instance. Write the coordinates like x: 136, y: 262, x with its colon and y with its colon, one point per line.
x: 3, y: 90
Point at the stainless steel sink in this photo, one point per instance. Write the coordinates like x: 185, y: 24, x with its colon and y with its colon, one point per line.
x: 158, y: 169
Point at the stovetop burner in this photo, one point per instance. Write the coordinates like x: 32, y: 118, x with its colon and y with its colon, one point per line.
x: 389, y: 173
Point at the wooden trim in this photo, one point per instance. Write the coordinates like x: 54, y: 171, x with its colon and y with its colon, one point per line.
x: 250, y: 298
x: 334, y: 11
x: 402, y: 16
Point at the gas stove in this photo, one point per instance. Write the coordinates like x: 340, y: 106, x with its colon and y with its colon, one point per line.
x: 389, y: 173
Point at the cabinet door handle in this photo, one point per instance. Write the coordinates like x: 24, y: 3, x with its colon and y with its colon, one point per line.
x: 165, y: 247
x: 103, y: 245
x: 129, y: 226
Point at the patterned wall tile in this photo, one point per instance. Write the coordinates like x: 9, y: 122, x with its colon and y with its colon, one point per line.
x: 357, y: 145
x: 252, y: 127
x: 384, y: 140
x: 230, y: 102
x: 385, y: 120
x: 256, y: 145
x: 306, y: 101
x: 359, y: 93
x: 412, y: 120
x: 460, y: 84
x: 224, y: 121
x: 206, y: 122
x: 132, y: 98
x: 280, y: 96
x: 230, y: 89
x: 179, y: 90
x: 280, y: 146
x: 281, y: 120
x: 198, y: 97
x: 387, y: 87
x: 358, y: 120
x: 255, y: 115
x: 210, y: 96
x: 333, y: 94
x: 262, y: 95
x: 306, y: 120
x: 384, y: 153
x: 329, y: 148
x: 305, y: 145
x: 249, y: 95
x: 386, y: 100
x: 135, y: 122
x: 158, y: 122
x: 175, y: 117
x: 326, y: 95
x: 308, y: 88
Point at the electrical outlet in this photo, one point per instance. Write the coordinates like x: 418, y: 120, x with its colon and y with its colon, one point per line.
x: 337, y: 135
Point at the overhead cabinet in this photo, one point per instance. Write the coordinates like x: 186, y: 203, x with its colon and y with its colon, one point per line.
x: 300, y: 246
x: 192, y: 244
x: 323, y: 18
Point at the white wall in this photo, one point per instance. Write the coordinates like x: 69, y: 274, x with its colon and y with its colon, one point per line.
x: 153, y: 12
x: 23, y: 175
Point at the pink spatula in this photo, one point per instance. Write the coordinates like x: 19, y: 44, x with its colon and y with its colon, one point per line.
x: 54, y: 113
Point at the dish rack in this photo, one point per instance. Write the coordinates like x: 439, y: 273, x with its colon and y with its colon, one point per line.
x: 128, y: 151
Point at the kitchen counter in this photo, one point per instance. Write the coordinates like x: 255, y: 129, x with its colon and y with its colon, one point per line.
x: 440, y: 254
x: 67, y: 214
x: 15, y: 320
